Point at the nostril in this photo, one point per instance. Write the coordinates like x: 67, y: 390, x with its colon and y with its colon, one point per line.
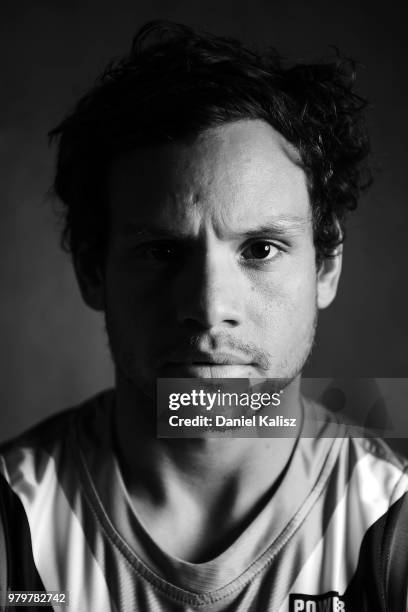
x: 193, y: 325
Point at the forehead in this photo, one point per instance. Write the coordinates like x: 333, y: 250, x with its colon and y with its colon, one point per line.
x: 229, y: 175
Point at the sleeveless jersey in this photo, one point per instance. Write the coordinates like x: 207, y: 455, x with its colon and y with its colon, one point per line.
x: 316, y: 545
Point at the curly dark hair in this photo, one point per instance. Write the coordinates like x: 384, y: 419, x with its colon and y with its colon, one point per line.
x: 176, y: 82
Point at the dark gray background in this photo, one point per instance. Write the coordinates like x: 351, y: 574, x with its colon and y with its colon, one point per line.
x: 53, y: 350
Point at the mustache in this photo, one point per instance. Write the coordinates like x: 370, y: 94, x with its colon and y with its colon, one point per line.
x: 221, y: 343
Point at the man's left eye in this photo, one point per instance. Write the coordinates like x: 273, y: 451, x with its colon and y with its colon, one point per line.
x: 261, y: 249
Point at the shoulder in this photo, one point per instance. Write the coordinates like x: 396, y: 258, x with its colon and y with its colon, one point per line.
x: 40, y: 494
x: 49, y: 444
x: 361, y: 451
x: 40, y: 433
x: 56, y: 424
x: 381, y: 489
x: 41, y: 488
x: 366, y: 473
x: 378, y: 466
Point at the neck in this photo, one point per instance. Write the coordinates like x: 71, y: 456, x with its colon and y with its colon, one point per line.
x: 203, y: 466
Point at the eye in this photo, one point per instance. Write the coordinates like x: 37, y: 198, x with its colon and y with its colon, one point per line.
x: 159, y: 251
x: 261, y: 250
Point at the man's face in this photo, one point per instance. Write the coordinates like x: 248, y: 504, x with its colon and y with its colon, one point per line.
x: 210, y: 267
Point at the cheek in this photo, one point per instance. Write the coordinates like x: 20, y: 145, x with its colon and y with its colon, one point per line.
x: 285, y: 303
x: 132, y: 291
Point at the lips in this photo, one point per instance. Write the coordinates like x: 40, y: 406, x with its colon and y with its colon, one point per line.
x: 206, y: 358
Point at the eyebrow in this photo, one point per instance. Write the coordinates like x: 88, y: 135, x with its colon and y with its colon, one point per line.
x: 278, y: 226
x: 282, y: 225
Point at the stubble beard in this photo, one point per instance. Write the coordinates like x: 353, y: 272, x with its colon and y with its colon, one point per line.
x: 128, y: 371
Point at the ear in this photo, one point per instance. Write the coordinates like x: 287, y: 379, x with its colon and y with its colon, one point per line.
x: 89, y: 273
x: 328, y: 277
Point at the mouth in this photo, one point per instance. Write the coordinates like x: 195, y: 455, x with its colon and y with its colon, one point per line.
x: 202, y: 358
x: 200, y: 364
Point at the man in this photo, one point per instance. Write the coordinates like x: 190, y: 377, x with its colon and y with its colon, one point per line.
x: 205, y: 189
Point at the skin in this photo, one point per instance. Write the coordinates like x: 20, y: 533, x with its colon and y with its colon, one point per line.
x: 210, y: 258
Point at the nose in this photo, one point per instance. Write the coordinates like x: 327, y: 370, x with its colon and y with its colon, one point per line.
x: 211, y: 293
